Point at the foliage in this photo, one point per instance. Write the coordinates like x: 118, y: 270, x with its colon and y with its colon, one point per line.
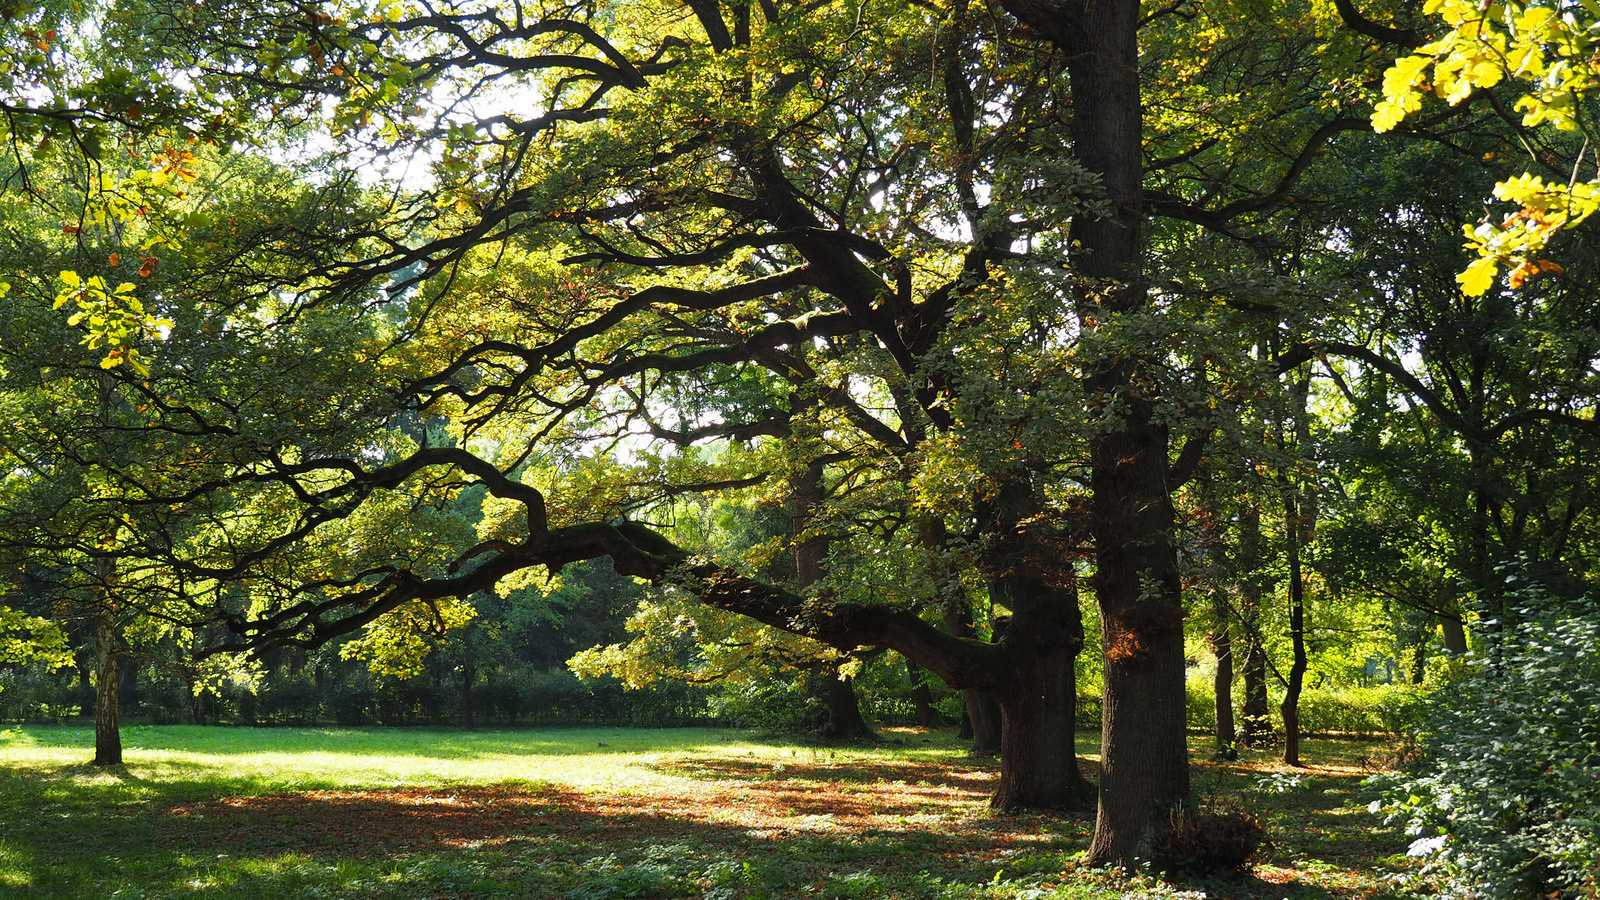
x: 1548, y: 47
x: 25, y: 638
x: 1505, y: 801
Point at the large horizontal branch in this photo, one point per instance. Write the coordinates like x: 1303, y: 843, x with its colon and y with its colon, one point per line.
x: 640, y: 551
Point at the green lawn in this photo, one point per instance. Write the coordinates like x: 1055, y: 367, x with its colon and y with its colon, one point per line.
x: 603, y: 813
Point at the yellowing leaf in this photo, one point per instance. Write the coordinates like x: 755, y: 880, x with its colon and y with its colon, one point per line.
x: 1478, y: 277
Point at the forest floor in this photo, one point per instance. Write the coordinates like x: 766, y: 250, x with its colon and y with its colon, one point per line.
x: 593, y: 814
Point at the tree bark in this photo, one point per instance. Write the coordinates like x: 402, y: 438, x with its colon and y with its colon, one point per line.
x: 1144, y: 750
x: 840, y: 720
x: 1222, y: 681
x: 983, y: 711
x: 1455, y: 635
x: 1290, y: 707
x: 107, y: 734
x: 1037, y: 731
x: 1299, y: 525
x: 1041, y: 640
x: 1255, y: 720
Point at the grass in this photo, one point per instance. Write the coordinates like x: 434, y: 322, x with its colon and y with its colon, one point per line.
x: 591, y: 814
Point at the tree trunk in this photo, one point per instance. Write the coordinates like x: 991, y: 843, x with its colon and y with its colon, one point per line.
x: 984, y: 716
x: 1455, y: 635
x: 469, y: 675
x: 840, y: 720
x: 1290, y: 707
x: 1038, y: 751
x: 922, y: 697
x: 1037, y: 737
x: 107, y: 735
x: 983, y: 711
x: 1255, y: 722
x: 1299, y: 523
x: 1144, y: 750
x: 1222, y: 682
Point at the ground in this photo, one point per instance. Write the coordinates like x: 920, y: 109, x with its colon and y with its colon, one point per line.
x: 589, y: 814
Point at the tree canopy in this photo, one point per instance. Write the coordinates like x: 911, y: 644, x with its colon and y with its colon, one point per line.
x: 1006, y: 305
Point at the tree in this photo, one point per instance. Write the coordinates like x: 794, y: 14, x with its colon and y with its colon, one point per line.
x: 648, y: 200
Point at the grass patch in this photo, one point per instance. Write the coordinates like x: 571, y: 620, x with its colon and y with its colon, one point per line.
x: 281, y: 814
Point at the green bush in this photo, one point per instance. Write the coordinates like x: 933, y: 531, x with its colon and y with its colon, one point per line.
x: 1504, y: 802
x: 1386, y: 709
x: 31, y: 694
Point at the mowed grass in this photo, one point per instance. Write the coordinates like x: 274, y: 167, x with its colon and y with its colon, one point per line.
x: 589, y: 814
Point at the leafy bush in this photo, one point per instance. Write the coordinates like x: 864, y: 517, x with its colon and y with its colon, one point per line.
x: 1504, y: 801
x: 1387, y: 709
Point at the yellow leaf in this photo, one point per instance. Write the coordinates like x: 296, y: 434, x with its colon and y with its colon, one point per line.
x: 1478, y: 277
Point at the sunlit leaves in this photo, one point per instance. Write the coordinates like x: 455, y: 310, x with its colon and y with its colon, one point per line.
x: 114, y: 319
x: 1548, y: 48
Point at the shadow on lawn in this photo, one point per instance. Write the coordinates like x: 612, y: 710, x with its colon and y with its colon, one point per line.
x: 803, y: 821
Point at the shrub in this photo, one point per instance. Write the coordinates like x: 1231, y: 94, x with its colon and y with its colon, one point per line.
x: 1504, y: 801
x: 1195, y: 842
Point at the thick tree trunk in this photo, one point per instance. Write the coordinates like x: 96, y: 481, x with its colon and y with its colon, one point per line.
x: 107, y: 735
x: 1037, y: 737
x: 839, y: 720
x: 1038, y: 752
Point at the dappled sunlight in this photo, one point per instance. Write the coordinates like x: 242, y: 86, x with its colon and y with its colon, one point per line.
x: 360, y: 807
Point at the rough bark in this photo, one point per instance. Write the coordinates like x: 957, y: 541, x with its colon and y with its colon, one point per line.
x: 1041, y: 640
x: 838, y: 719
x: 1145, y: 768
x: 1036, y: 741
x: 983, y: 711
x: 1255, y: 719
